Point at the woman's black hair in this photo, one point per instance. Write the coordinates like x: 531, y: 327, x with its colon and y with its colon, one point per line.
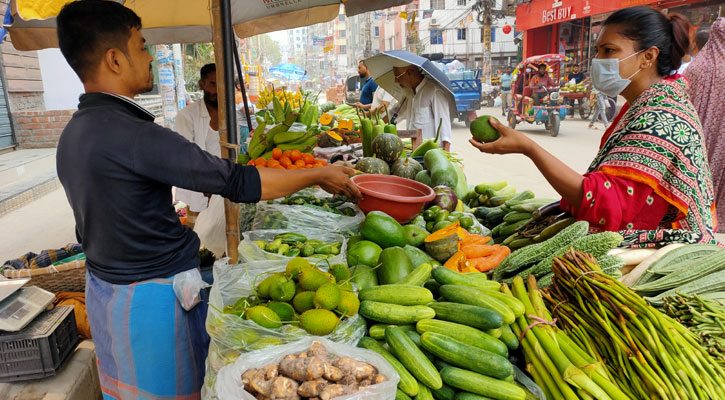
x: 651, y: 28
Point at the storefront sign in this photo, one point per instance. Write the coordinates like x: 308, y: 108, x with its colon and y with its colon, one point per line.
x: 487, y: 38
x: 537, y: 13
x: 556, y: 14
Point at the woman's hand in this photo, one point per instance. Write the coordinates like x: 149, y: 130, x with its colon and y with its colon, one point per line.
x: 336, y: 180
x: 511, y: 141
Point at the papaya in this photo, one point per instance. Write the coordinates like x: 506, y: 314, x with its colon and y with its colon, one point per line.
x: 364, y: 253
x: 396, y: 265
x: 383, y: 229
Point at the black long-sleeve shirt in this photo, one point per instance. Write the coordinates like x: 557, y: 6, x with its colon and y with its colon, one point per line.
x: 117, y: 168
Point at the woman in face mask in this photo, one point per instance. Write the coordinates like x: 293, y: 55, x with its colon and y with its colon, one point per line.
x: 650, y: 179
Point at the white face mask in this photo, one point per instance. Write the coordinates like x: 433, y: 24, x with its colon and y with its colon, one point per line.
x: 606, y: 78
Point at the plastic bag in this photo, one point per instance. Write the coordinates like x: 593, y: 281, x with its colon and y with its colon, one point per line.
x: 232, y: 336
x: 249, y: 251
x: 187, y: 286
x: 229, y: 381
x: 300, y: 218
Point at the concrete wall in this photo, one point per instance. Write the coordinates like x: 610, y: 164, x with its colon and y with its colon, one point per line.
x: 40, y: 128
x: 62, y: 87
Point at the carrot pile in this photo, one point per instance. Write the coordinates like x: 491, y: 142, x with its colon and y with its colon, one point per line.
x: 475, y: 255
x: 288, y: 159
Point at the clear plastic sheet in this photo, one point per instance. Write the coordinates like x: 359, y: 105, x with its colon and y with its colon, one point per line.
x: 232, y: 336
x: 229, y: 383
x: 249, y: 251
x: 300, y: 218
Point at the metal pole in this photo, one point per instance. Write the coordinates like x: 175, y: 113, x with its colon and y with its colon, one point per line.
x: 241, y: 85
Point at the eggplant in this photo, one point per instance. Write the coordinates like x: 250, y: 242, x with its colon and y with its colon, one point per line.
x: 445, y: 198
x: 546, y: 210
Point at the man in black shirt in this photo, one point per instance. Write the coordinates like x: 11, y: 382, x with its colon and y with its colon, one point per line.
x: 117, y: 168
x: 577, y: 75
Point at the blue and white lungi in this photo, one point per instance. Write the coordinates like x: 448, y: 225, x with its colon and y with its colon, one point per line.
x: 147, y: 345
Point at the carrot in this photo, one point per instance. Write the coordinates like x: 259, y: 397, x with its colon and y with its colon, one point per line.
x: 475, y: 239
x: 492, y: 261
x: 477, y: 250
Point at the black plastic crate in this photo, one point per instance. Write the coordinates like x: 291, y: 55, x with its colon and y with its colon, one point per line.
x: 39, y: 349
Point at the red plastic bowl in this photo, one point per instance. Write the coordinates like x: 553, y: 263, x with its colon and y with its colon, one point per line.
x: 401, y: 198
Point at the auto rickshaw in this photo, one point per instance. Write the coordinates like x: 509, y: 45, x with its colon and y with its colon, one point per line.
x: 552, y: 108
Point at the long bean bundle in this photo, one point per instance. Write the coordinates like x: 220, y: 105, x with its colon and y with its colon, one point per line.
x: 705, y: 318
x: 648, y: 354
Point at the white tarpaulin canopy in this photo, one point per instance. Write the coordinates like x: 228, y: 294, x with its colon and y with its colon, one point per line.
x: 189, y: 21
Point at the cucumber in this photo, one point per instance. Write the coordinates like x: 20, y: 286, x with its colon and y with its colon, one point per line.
x: 396, y: 265
x: 474, y: 316
x: 444, y: 393
x: 512, y: 302
x: 482, y: 188
x: 514, y: 216
x: 433, y: 286
x: 509, y: 338
x: 440, y: 364
x: 412, y: 358
x: 446, y: 276
x: 400, y: 395
x: 424, y: 392
x: 420, y: 274
x: 482, y: 385
x: 466, y: 356
x: 463, y: 333
x: 470, y: 396
x: 415, y: 337
x: 377, y: 331
x: 394, y: 314
x: 519, y: 197
x: 442, y: 171
x: 495, y: 332
x: 474, y: 297
x: 404, y: 295
x: 407, y: 384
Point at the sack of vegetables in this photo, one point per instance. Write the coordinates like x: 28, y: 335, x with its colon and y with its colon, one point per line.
x: 247, y: 314
x: 350, y: 364
x: 283, y: 245
x: 300, y: 212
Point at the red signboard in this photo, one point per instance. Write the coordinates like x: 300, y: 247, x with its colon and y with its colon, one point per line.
x: 546, y: 12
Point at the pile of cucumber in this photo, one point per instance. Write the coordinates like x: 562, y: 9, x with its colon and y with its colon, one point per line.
x: 516, y: 219
x: 454, y: 347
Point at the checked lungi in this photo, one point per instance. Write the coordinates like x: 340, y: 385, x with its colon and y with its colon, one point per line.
x: 147, y: 345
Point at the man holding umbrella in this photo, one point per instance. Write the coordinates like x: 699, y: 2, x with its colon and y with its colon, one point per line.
x: 427, y: 105
x: 424, y: 93
x: 117, y: 168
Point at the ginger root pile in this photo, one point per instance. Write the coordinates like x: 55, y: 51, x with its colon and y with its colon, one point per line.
x: 315, y: 374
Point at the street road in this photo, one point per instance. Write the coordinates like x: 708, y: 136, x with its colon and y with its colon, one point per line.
x: 48, y: 222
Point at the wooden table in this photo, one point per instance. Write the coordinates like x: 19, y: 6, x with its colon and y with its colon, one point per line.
x: 415, y: 136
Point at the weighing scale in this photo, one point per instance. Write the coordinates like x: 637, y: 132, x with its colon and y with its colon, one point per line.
x: 19, y: 305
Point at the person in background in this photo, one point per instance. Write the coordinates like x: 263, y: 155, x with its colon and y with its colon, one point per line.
x: 600, y: 109
x: 577, y: 75
x: 707, y: 90
x: 425, y: 105
x: 368, y: 86
x: 506, y: 90
x: 199, y: 123
x: 540, y: 83
x: 701, y: 37
x: 650, y: 180
x: 381, y: 98
x: 117, y: 168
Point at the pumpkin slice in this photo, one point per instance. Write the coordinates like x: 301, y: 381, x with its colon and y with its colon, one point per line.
x: 443, y: 243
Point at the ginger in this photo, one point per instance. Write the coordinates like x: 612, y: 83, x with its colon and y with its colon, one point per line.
x: 315, y: 374
x: 311, y: 388
x: 336, y: 390
x: 360, y: 370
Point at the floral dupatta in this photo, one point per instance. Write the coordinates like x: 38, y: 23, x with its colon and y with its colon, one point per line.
x: 659, y: 142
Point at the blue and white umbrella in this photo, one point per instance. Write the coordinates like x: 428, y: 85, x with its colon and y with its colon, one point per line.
x: 381, y: 69
x: 288, y: 71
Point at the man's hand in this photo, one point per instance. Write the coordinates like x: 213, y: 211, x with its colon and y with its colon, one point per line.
x: 336, y: 180
x: 358, y: 104
x: 511, y: 141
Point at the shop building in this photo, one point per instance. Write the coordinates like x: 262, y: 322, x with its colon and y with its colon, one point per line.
x: 571, y: 27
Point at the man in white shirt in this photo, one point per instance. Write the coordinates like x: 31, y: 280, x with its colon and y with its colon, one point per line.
x: 426, y: 104
x: 199, y: 123
x: 381, y: 98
